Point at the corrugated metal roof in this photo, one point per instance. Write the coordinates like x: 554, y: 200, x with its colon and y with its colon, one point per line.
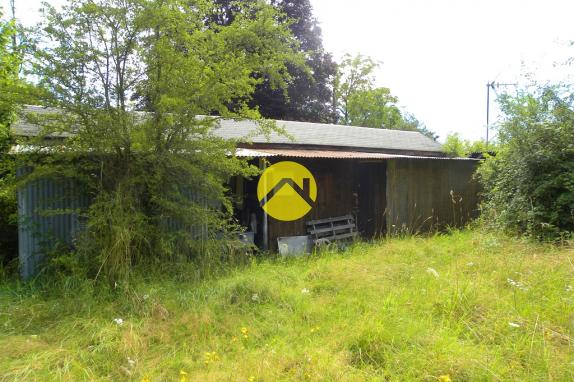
x: 300, y: 133
x: 329, y: 154
x: 250, y: 153
x: 24, y: 128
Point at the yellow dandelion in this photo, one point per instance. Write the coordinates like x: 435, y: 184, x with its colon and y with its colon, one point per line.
x: 182, y: 376
x: 146, y: 379
x: 445, y: 378
x: 251, y: 379
x: 245, y: 332
x: 210, y: 357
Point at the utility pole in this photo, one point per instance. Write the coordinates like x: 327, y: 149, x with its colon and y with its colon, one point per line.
x: 491, y: 85
x: 13, y: 9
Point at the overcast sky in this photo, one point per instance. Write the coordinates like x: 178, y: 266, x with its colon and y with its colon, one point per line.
x: 438, y: 55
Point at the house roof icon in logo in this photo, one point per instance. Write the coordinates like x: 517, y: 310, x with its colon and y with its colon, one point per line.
x: 287, y: 191
x: 302, y: 192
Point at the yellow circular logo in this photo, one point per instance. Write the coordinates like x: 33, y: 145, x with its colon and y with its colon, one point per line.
x: 287, y: 191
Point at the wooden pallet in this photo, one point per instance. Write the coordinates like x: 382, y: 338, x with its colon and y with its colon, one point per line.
x: 331, y: 230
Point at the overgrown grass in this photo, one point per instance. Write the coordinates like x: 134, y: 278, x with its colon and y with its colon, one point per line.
x: 470, y: 305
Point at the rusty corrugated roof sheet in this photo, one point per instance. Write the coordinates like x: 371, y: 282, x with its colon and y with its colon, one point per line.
x: 331, y: 154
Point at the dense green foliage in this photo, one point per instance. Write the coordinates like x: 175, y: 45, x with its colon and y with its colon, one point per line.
x: 358, y: 102
x: 308, y: 94
x: 455, y: 146
x: 10, y: 60
x: 529, y: 185
x: 156, y: 179
x: 469, y: 306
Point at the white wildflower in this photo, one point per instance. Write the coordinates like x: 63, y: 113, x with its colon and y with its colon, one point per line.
x: 569, y: 288
x: 514, y: 324
x: 433, y: 272
x: 305, y: 291
x: 255, y: 297
x: 131, y: 362
x: 119, y: 321
x: 471, y: 264
x: 516, y: 284
x: 145, y: 296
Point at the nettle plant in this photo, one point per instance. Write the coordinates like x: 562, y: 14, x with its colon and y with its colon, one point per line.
x: 128, y: 80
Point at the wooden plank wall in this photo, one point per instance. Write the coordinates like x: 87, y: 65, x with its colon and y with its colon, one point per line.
x: 419, y: 194
x: 388, y: 196
x: 334, y: 197
x: 344, y: 187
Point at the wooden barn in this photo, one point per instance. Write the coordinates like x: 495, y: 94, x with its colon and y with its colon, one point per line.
x: 388, y: 180
x: 385, y: 181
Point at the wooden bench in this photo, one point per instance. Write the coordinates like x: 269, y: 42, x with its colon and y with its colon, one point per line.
x: 332, y: 230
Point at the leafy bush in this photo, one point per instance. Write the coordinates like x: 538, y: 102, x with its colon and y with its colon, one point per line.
x: 8, y: 205
x: 530, y: 183
x: 455, y: 146
x: 9, y: 64
x: 137, y: 143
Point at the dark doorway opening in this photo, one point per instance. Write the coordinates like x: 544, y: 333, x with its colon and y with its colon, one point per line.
x: 371, y: 181
x: 247, y: 211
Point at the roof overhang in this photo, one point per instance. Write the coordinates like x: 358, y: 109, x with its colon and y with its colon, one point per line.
x: 330, y: 154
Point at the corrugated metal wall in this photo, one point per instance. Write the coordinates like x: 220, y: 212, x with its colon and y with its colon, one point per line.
x: 196, y: 232
x: 430, y: 194
x: 48, y: 214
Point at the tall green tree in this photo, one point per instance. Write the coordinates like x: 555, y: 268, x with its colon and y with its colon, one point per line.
x: 152, y: 176
x: 308, y: 94
x: 10, y: 60
x: 355, y: 75
x: 372, y: 108
x: 358, y: 102
x: 10, y: 83
x: 412, y: 123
